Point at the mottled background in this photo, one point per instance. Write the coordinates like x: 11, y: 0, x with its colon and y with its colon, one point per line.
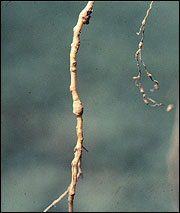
x: 128, y: 142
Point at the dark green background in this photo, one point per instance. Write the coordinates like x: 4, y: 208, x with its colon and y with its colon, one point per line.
x: 128, y: 142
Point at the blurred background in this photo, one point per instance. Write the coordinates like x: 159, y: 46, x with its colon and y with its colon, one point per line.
x: 126, y: 166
